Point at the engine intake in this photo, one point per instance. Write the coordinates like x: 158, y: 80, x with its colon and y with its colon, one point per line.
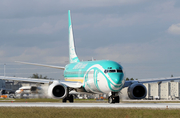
x: 137, y: 91
x: 57, y: 90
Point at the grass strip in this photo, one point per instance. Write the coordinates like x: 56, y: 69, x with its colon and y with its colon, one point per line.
x: 37, y: 112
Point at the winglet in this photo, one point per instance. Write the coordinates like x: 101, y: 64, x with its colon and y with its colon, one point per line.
x: 72, y: 53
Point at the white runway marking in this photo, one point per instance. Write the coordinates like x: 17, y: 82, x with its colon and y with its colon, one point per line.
x: 92, y: 105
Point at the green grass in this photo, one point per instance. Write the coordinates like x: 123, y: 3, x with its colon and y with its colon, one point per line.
x: 41, y: 112
x: 35, y: 112
x: 53, y: 100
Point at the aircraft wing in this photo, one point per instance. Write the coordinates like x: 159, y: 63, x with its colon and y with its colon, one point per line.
x: 26, y: 79
x: 159, y: 79
x: 128, y: 83
x: 67, y: 83
x: 36, y: 64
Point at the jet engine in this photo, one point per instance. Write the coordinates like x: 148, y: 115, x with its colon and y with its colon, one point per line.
x: 57, y: 90
x: 137, y: 91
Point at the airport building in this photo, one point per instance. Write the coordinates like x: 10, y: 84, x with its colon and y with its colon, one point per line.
x: 163, y: 91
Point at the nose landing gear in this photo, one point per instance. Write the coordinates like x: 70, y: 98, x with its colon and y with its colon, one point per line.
x: 114, y: 98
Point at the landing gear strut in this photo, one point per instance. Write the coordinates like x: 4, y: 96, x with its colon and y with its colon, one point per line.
x: 70, y: 98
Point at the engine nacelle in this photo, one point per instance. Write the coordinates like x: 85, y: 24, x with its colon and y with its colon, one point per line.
x: 137, y: 91
x: 57, y: 90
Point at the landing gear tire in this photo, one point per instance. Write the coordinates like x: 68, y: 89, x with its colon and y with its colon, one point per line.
x: 64, y: 100
x: 117, y: 100
x: 111, y: 100
x: 71, y: 99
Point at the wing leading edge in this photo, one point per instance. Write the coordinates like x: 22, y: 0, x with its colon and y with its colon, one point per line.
x: 43, y: 81
x: 128, y: 83
x: 36, y: 64
x: 26, y: 79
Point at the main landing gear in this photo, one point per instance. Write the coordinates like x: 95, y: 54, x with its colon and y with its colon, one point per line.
x: 70, y: 98
x: 113, y: 98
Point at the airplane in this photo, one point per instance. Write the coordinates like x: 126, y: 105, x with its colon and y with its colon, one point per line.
x: 94, y: 77
x: 28, y: 90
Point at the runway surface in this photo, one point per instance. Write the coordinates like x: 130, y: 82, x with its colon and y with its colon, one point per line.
x: 92, y: 105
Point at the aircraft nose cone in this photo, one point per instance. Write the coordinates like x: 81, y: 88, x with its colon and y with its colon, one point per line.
x: 117, y: 78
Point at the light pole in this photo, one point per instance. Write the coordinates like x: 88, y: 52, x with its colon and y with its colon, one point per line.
x: 4, y: 70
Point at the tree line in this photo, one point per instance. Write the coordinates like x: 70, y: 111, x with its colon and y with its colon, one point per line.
x: 37, y: 76
x: 130, y: 79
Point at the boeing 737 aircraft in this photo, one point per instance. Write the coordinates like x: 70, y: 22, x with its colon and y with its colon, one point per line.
x: 95, y: 77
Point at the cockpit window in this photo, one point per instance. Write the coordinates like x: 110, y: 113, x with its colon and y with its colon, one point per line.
x: 119, y: 71
x: 113, y: 71
x: 105, y: 71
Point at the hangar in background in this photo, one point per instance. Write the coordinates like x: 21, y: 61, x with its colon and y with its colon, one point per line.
x: 158, y: 91
x: 163, y: 91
